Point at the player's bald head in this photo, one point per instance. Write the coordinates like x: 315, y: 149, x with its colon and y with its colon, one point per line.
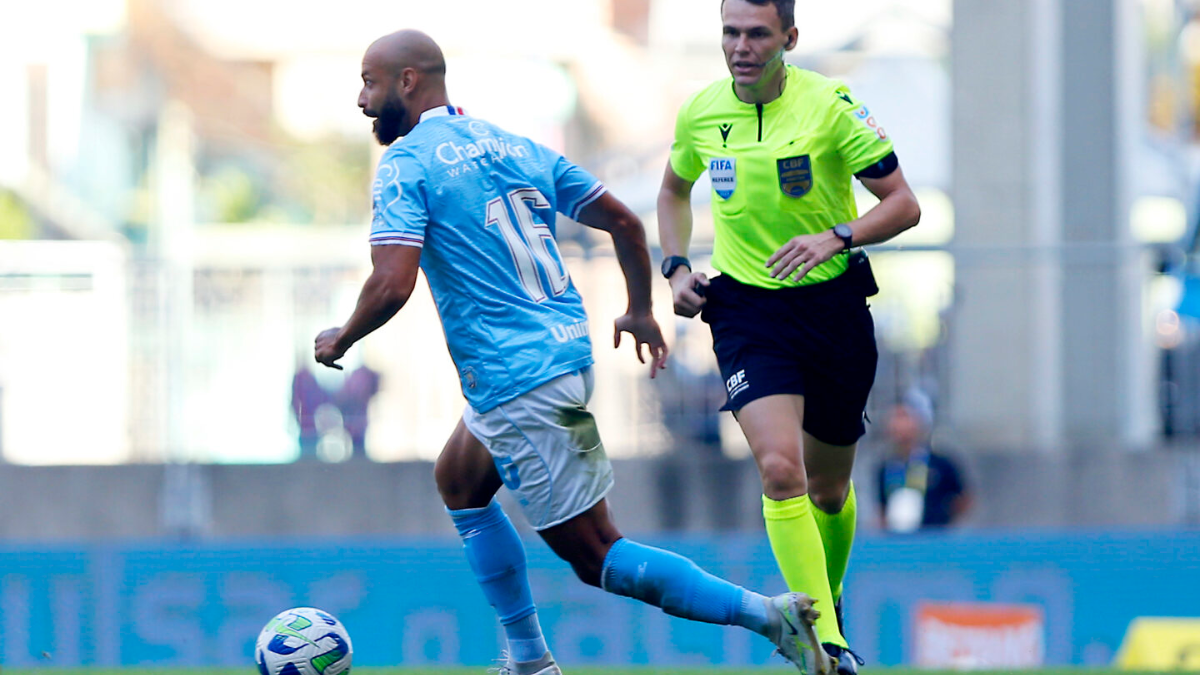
x: 404, y: 74
x: 407, y: 49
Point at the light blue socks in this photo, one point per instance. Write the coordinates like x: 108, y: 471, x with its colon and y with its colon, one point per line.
x: 497, y: 557
x: 680, y: 587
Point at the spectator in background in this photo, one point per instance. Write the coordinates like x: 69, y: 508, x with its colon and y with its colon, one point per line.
x: 690, y: 397
x: 352, y: 400
x: 307, y: 396
x: 918, y: 488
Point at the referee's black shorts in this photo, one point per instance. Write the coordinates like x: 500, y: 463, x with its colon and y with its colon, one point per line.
x: 816, y: 341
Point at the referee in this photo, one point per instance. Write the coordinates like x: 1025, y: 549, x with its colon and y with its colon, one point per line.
x: 791, y: 329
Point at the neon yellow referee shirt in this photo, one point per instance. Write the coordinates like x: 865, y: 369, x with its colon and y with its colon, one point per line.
x: 778, y: 169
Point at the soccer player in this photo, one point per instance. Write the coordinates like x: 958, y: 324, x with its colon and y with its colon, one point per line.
x: 474, y: 207
x: 791, y: 330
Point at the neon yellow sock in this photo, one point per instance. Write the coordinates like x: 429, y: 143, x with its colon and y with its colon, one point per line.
x: 837, y: 534
x: 796, y: 542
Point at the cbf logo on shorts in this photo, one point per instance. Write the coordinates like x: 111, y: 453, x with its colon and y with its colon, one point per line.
x: 737, y: 383
x: 724, y: 178
x: 795, y: 175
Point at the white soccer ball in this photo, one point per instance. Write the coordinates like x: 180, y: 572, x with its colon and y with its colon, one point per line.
x: 303, y: 641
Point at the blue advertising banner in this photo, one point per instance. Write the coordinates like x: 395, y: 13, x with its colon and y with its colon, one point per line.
x: 415, y: 602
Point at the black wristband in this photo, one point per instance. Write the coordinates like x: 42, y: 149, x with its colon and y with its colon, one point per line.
x: 669, y: 265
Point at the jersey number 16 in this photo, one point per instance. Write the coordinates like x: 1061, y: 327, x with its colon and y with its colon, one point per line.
x: 537, y: 244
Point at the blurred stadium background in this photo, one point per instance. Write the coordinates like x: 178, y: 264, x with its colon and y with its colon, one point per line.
x: 183, y: 206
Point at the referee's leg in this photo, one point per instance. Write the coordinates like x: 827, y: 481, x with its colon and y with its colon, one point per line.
x: 834, y: 504
x: 773, y: 426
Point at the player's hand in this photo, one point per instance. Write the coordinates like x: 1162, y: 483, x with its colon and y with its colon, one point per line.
x: 326, y: 348
x: 800, y: 254
x: 645, y: 331
x: 687, y: 288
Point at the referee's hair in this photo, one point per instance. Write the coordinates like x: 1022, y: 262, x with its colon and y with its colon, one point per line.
x: 785, y: 8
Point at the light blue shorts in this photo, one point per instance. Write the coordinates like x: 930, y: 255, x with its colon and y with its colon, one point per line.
x: 547, y: 448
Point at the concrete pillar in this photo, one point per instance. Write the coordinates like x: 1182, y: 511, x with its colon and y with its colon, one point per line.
x: 1047, y: 349
x: 1108, y: 383
x: 1006, y: 379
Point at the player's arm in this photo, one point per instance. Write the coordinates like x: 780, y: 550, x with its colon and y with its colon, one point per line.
x: 675, y: 236
x: 393, y: 277
x: 607, y: 213
x: 896, y: 211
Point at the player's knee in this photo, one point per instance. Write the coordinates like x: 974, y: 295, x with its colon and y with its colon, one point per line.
x: 456, y: 489
x: 586, y: 556
x: 589, y: 571
x: 586, y: 561
x: 782, y: 474
x: 829, y: 490
x: 829, y: 496
x: 584, y: 541
x: 448, y: 483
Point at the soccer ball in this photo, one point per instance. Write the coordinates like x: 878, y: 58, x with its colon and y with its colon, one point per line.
x: 303, y: 641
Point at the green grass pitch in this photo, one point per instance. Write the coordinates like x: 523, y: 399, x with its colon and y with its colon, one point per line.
x: 570, y: 671
x: 647, y: 670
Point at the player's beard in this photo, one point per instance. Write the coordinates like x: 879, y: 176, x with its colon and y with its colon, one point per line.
x: 392, y: 121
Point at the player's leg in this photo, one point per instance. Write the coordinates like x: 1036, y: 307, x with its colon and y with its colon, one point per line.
x: 834, y: 504
x: 562, y: 475
x: 833, y: 422
x: 835, y: 511
x: 465, y: 474
x: 583, y: 542
x: 550, y: 455
x: 468, y: 481
x: 773, y: 426
x: 600, y: 556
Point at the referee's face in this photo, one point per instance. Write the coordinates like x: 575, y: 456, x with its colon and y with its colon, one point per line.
x: 754, y: 41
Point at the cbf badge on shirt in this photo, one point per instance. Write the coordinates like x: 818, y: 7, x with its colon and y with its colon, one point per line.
x: 795, y: 175
x: 724, y: 178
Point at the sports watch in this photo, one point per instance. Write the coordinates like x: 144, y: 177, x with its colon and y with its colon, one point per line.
x: 669, y: 265
x: 844, y: 233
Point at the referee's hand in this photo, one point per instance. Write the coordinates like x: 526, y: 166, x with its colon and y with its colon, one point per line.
x: 688, y: 291
x: 800, y: 254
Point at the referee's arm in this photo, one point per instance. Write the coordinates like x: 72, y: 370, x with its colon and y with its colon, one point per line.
x: 675, y: 214
x: 675, y: 235
x: 896, y: 211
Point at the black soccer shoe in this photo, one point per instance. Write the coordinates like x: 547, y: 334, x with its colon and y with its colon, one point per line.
x: 847, y: 662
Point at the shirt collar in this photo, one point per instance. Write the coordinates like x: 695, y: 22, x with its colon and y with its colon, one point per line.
x: 439, y: 111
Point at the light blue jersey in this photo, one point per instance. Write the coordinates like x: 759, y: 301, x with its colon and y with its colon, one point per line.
x: 482, y: 203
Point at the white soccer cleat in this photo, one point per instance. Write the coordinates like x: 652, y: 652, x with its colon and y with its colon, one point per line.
x: 543, y: 666
x: 793, y: 630
x: 551, y: 669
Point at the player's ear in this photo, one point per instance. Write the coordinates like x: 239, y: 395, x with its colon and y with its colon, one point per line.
x: 408, y: 79
x: 793, y: 36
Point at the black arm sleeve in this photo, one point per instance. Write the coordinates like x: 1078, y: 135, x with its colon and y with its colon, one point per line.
x: 881, y: 168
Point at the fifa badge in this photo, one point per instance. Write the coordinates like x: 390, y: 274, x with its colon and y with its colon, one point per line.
x: 724, y: 177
